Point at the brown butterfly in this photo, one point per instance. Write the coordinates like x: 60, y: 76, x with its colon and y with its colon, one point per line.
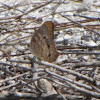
x: 42, y: 43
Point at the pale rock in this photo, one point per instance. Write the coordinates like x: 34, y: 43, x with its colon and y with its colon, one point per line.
x: 46, y: 86
x: 67, y: 37
x: 91, y: 43
x: 60, y: 39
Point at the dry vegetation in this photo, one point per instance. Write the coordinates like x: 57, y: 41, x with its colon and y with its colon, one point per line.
x: 76, y: 73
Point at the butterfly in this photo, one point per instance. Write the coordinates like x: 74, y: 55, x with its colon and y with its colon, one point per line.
x: 42, y: 43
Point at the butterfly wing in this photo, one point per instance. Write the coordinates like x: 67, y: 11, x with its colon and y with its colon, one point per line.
x: 42, y: 43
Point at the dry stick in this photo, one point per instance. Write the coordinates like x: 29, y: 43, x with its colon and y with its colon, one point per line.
x: 6, y: 18
x: 34, y: 75
x: 6, y: 37
x: 79, y: 24
x: 60, y: 83
x: 20, y: 5
x: 38, y: 8
x: 66, y: 25
x: 20, y: 66
x: 19, y: 95
x: 41, y: 17
x: 5, y: 53
x: 77, y: 47
x: 86, y: 53
x: 11, y: 44
x: 55, y: 9
x: 27, y: 13
x: 61, y: 69
x: 80, y: 89
x: 84, y: 91
x: 24, y: 37
x: 84, y: 64
x: 69, y: 80
x: 26, y: 68
x: 81, y: 64
x: 21, y: 16
x: 96, y: 89
x: 12, y: 78
x: 76, y: 86
x: 7, y: 71
x: 9, y: 86
x: 94, y: 26
x: 87, y: 17
x: 76, y: 65
x: 63, y: 98
x: 20, y: 61
x: 20, y: 54
x: 70, y: 24
x: 28, y: 62
x: 32, y: 96
x: 27, y: 84
x: 68, y: 71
